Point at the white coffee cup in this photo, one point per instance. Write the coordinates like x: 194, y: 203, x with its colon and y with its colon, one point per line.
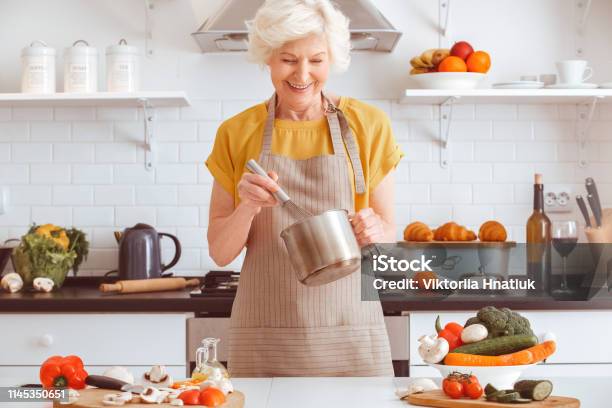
x: 574, y: 71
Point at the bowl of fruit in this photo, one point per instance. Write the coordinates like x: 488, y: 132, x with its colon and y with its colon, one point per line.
x: 458, y: 68
x: 496, y: 345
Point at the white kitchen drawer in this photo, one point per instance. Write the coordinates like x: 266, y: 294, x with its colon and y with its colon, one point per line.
x: 99, y: 339
x: 582, y: 336
x: 538, y: 371
x: 11, y: 376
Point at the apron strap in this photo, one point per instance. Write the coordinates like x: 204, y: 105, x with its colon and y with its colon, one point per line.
x: 339, y: 130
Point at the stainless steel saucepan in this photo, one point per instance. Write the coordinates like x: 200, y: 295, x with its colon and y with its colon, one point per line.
x: 322, y: 248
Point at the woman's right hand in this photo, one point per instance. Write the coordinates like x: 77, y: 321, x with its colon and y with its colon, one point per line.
x: 256, y: 191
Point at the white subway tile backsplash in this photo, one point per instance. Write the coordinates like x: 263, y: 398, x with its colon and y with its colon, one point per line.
x: 92, y: 173
x: 92, y: 131
x: 133, y: 174
x: 600, y: 131
x: 116, y: 152
x: 50, y: 174
x: 560, y: 130
x: 176, y: 131
x: 5, y: 114
x: 101, y: 259
x: 471, y: 173
x: 207, y: 130
x: 494, y: 152
x: 14, y: 131
x: 538, y: 112
x: 178, y: 216
x: 14, y: 174
x: 402, y: 219
x: 204, y: 213
x: 424, y: 130
x: 103, y: 237
x: 493, y: 194
x: 416, y: 151
x: 50, y: 131
x: 190, y: 260
x: 513, y: 214
x: 471, y: 215
x: 129, y: 132
x: 429, y: 173
x: 601, y: 172
x: 523, y: 193
x: 94, y: 216
x: 192, y: 237
x: 75, y: 113
x: 156, y: 195
x: 557, y: 172
x: 194, y: 152
x: 202, y: 109
x: 73, y: 195
x: 114, y: 195
x: 416, y: 112
x: 460, y: 151
x: 130, y: 216
x: 73, y: 153
x: 505, y: 130
x: 401, y: 130
x: 16, y: 216
x: 167, y: 153
x: 451, y: 193
x: 496, y: 112
x: 512, y: 172
x: 168, y: 113
x: 432, y: 215
x: 194, y: 194
x: 204, y: 176
x: 32, y: 114
x: 5, y: 152
x: 177, y: 173
x: 31, y: 152
x: 116, y: 113
x: 52, y: 215
x: 462, y: 111
x: 536, y: 152
x: 412, y: 193
x: 30, y: 195
x: 471, y: 130
x: 402, y: 172
x: 234, y: 107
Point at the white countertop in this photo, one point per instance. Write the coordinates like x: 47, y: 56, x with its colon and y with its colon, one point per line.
x: 378, y: 392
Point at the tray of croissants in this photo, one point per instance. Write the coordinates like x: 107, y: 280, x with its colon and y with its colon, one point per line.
x: 491, y: 233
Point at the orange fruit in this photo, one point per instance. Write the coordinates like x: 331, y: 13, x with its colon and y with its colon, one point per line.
x: 211, y: 397
x: 478, y: 61
x: 452, y: 64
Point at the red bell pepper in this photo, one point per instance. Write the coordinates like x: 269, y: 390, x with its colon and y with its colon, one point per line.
x: 451, y: 332
x: 58, y: 371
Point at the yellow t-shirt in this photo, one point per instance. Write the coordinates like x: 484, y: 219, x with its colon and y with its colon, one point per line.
x: 240, y: 138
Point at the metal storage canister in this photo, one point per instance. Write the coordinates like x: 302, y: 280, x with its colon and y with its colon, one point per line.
x: 122, y: 68
x: 38, y: 68
x: 81, y: 68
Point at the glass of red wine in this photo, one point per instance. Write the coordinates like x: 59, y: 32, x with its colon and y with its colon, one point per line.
x: 564, y: 240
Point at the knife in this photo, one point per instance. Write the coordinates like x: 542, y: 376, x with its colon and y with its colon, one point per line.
x: 583, y: 210
x: 109, y: 383
x: 594, y: 202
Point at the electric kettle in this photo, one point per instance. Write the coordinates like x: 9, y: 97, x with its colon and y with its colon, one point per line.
x: 140, y: 252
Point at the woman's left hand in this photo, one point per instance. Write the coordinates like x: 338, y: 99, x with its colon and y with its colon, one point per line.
x: 368, y: 227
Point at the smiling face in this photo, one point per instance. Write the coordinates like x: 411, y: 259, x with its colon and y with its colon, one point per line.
x: 299, y: 70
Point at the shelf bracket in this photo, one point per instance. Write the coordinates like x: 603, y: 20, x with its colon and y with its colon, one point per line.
x: 444, y: 14
x: 149, y: 7
x: 150, y: 144
x: 446, y: 118
x: 585, y: 116
x: 582, y: 8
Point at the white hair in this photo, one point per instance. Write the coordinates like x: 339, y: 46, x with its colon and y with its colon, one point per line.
x: 280, y: 21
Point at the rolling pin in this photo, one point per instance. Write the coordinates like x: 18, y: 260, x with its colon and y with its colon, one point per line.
x: 148, y: 285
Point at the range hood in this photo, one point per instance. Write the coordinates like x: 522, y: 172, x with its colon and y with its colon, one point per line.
x: 226, y: 29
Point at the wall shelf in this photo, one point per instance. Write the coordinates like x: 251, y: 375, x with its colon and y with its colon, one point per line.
x: 147, y: 101
x: 98, y: 99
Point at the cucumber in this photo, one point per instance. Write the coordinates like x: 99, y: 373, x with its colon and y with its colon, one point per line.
x: 498, y: 345
x: 509, y: 397
x: 490, y: 389
x: 536, y: 390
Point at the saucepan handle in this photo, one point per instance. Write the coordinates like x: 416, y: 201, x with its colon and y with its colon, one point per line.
x: 254, y: 167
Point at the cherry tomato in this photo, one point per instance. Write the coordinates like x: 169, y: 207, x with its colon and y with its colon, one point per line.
x: 473, y: 390
x: 190, y: 397
x: 211, y: 397
x: 465, y: 380
x: 454, y: 389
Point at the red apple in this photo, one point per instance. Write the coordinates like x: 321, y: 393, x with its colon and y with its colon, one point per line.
x: 461, y: 49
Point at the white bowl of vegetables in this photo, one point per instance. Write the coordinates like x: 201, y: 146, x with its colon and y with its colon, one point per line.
x: 501, y: 377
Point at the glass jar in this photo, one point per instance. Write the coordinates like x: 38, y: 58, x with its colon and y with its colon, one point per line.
x: 207, y: 365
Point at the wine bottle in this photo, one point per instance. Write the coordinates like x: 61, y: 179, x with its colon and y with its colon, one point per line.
x: 539, y: 236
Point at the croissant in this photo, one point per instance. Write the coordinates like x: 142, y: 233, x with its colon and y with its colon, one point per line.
x: 418, y: 231
x: 492, y: 231
x: 451, y: 231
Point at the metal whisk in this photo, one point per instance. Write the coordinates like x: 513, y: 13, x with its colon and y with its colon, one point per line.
x: 286, y: 202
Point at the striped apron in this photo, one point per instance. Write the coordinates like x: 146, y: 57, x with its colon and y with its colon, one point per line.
x: 280, y: 327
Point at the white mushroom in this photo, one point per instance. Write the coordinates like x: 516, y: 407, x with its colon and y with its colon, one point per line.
x: 73, y: 396
x: 474, y: 333
x: 433, y: 349
x: 152, y: 395
x: 177, y: 402
x: 119, y: 373
x: 43, y: 284
x: 12, y: 282
x: 158, y: 377
x: 113, y: 400
x: 416, y: 385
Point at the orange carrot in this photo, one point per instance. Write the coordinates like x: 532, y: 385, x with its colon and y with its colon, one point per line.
x: 543, y: 350
x: 460, y: 359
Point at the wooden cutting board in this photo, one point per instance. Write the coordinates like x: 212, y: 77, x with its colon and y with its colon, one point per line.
x: 92, y: 398
x: 437, y: 398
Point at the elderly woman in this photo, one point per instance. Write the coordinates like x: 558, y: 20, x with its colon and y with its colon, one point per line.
x: 280, y: 327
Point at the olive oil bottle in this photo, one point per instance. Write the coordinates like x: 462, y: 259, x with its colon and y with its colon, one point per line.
x: 539, y: 238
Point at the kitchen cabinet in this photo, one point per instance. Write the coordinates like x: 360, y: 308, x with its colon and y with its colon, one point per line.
x: 582, y: 342
x: 136, y: 340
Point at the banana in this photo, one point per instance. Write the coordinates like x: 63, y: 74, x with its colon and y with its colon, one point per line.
x: 417, y: 62
x: 416, y: 71
x: 427, y: 56
x: 439, y: 55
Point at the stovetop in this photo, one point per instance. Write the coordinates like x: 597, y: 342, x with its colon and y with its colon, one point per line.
x: 218, y: 283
